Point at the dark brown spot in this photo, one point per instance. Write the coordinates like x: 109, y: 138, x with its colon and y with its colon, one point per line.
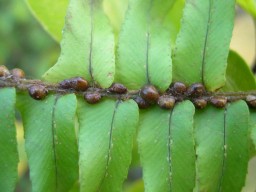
x: 196, y: 90
x: 178, y: 88
x: 199, y: 103
x: 37, y: 92
x: 92, y: 98
x: 141, y: 102
x: 166, y: 101
x: 149, y: 93
x: 118, y: 88
x: 251, y: 101
x: 4, y: 71
x: 76, y: 83
x: 218, y: 101
x: 17, y: 73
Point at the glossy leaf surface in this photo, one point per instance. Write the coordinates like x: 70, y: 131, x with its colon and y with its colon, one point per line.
x: 50, y: 142
x: 8, y: 145
x: 106, y: 137
x: 87, y: 47
x: 144, y: 51
x: 166, y: 147
x: 202, y: 45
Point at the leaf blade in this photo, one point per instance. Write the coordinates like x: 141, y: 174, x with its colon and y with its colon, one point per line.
x: 203, y: 43
x: 222, y: 145
x: 237, y: 69
x: 237, y: 151
x: 161, y: 146
x: 110, y: 126
x: 143, y: 48
x: 87, y: 34
x: 249, y: 6
x: 8, y: 144
x: 50, y: 17
x: 46, y: 136
x: 209, y: 147
x: 253, y: 122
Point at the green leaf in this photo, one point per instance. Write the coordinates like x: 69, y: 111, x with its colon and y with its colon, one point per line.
x: 166, y: 147
x: 237, y: 69
x: 202, y: 45
x: 249, y: 6
x: 115, y: 10
x: 209, y: 148
x: 144, y: 51
x: 8, y: 145
x: 222, y: 147
x: 50, y: 14
x: 137, y: 186
x: 50, y: 141
x: 253, y: 125
x: 237, y: 146
x: 173, y: 18
x: 87, y: 48
x: 105, y: 143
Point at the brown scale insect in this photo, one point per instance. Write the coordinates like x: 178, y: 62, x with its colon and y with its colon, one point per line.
x: 218, y: 101
x: 199, y: 103
x: 92, y: 98
x: 177, y: 88
x: 251, y: 101
x: 17, y: 73
x: 166, y: 101
x: 118, y: 88
x: 4, y: 71
x: 38, y: 92
x: 149, y: 93
x: 196, y: 90
x: 76, y: 83
x: 142, y: 104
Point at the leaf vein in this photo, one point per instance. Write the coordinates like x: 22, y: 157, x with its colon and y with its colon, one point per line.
x: 224, y: 150
x: 110, y: 143
x: 53, y: 126
x: 206, y: 42
x: 169, y: 149
x: 147, y: 55
x: 91, y: 42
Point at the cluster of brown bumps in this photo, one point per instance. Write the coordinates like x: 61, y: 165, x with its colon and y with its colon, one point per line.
x: 147, y: 96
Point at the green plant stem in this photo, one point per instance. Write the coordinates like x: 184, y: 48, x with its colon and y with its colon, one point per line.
x: 24, y: 84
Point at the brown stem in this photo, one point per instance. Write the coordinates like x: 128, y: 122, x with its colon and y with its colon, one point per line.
x: 24, y: 84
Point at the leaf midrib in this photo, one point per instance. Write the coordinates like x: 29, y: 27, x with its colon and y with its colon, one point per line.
x: 91, y: 42
x: 110, y: 143
x: 169, y: 150
x: 53, y: 126
x: 224, y: 151
x: 206, y: 42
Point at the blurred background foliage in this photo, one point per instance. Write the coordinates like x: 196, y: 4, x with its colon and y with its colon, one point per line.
x: 26, y: 45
